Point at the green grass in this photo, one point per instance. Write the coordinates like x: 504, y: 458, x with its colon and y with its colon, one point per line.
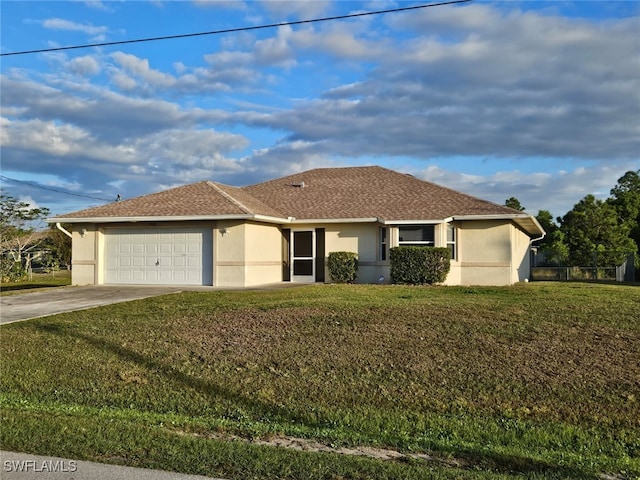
x: 38, y: 281
x: 530, y: 381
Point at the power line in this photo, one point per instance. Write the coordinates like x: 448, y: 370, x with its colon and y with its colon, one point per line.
x: 54, y: 190
x: 233, y: 30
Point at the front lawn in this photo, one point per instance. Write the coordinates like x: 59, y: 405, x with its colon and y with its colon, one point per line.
x: 530, y: 381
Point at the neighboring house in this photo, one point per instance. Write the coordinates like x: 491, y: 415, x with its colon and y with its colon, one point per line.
x: 207, y: 233
x: 26, y: 248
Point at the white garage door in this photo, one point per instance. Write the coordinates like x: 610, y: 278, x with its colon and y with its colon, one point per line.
x: 158, y: 256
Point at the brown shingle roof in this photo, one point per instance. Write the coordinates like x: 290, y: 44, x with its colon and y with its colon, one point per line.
x: 247, y: 202
x: 197, y: 199
x: 365, y: 192
x: 328, y: 193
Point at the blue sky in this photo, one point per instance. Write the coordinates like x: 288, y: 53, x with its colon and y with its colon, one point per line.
x: 537, y: 100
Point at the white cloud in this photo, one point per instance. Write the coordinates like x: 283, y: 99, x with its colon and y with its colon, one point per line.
x: 57, y: 141
x: 556, y: 191
x: 30, y: 202
x: 286, y: 9
x: 123, y: 81
x: 223, y: 4
x: 102, y: 112
x: 173, y: 155
x: 86, y: 65
x: 97, y: 4
x: 346, y: 42
x: 141, y: 69
x: 227, y: 59
x: 519, y: 85
x: 276, y: 50
x: 226, y: 70
x: 61, y: 24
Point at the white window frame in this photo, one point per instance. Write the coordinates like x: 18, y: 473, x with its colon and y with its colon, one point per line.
x: 452, y: 245
x: 418, y: 243
x: 383, y: 244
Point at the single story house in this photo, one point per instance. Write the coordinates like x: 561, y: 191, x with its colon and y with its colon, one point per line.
x: 208, y: 233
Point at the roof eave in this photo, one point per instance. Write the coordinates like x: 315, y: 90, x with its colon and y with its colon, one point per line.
x: 527, y: 222
x: 174, y: 218
x: 294, y: 220
x: 416, y: 221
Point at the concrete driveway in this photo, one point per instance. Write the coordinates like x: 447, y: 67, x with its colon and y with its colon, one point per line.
x: 14, y: 308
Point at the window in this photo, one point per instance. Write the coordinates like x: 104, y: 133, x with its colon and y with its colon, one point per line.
x: 418, y: 235
x: 451, y: 240
x: 383, y: 243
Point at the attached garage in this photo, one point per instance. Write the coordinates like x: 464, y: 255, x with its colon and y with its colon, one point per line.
x: 158, y: 256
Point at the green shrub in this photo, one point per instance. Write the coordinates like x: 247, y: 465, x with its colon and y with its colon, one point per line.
x: 10, y: 270
x: 419, y: 265
x: 343, y: 266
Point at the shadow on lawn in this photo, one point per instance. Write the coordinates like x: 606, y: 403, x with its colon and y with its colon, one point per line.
x: 510, y: 464
x: 27, y: 286
x: 207, y: 388
x: 472, y: 459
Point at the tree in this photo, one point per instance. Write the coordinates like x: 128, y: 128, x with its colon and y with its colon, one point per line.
x: 552, y: 245
x: 592, y: 226
x: 59, y: 244
x: 556, y: 250
x: 514, y: 203
x: 625, y: 198
x: 546, y: 221
x: 18, y: 221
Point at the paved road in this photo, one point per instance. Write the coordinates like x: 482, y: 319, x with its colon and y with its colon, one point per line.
x: 14, y: 308
x: 22, y: 466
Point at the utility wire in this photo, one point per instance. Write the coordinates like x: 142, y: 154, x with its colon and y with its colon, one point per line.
x: 233, y: 30
x: 54, y: 190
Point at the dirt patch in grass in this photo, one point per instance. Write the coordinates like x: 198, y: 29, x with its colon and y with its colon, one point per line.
x: 411, y: 358
x: 309, y: 445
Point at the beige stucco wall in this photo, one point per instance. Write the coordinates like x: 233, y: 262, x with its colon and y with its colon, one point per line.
x: 263, y: 258
x: 485, y: 253
x: 84, y: 254
x: 361, y: 238
x: 247, y: 254
x: 229, y: 254
x: 521, y: 248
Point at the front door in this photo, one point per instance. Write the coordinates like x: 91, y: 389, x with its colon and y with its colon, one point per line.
x: 303, y: 256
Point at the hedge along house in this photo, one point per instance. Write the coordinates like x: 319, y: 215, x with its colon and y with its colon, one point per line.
x: 283, y: 230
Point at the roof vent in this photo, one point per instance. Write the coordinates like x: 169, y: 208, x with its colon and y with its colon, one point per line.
x: 298, y: 184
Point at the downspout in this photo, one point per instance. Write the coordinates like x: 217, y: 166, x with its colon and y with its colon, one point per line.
x: 530, y: 254
x: 63, y: 230
x: 539, y: 238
